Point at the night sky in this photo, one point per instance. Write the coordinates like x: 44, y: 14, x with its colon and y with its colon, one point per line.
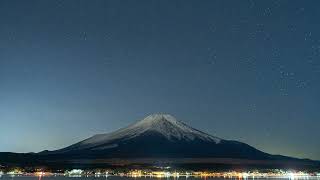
x: 241, y: 70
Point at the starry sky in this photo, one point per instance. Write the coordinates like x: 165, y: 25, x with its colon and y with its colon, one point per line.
x: 241, y: 70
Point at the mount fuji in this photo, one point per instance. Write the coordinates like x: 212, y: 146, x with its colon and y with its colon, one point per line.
x: 161, y: 136
x: 158, y: 138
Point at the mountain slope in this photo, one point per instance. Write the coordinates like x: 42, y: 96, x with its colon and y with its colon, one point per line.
x: 160, y: 135
x: 161, y: 124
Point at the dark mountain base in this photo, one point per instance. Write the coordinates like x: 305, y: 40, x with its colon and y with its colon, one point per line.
x: 36, y: 160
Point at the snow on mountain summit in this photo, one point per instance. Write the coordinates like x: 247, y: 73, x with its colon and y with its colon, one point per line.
x: 172, y: 128
x: 162, y: 124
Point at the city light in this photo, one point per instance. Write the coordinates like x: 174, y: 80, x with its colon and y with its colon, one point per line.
x: 40, y: 173
x: 74, y: 172
x: 15, y: 172
x: 166, y: 173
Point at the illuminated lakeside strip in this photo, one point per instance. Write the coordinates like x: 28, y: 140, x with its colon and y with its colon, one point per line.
x: 164, y: 174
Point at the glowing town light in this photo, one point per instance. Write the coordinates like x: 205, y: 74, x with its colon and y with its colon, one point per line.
x: 74, y: 172
x: 160, y: 174
x: 97, y: 174
x: 40, y: 173
x: 15, y: 172
x: 245, y: 175
x: 175, y: 174
x: 291, y: 175
x: 135, y: 173
x: 167, y: 174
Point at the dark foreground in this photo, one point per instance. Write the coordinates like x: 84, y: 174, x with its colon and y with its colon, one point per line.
x: 126, y: 178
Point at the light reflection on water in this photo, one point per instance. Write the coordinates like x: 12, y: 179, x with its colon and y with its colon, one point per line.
x: 138, y: 178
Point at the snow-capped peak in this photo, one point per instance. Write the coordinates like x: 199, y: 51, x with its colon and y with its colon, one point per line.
x: 154, y: 120
x: 163, y: 124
